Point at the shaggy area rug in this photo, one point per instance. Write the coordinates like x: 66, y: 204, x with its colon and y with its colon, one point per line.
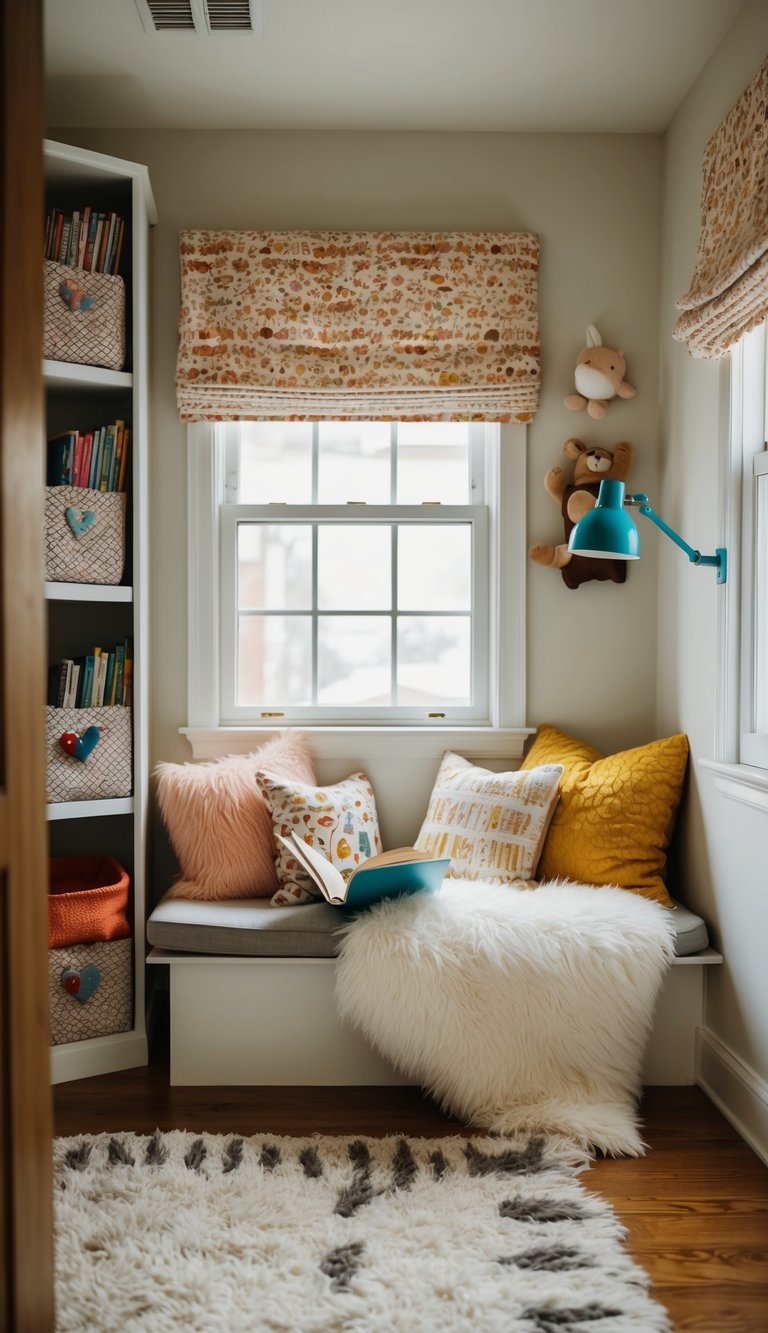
x: 393, y: 1235
x: 517, y: 1010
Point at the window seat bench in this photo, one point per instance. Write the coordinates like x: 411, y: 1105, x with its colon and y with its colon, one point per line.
x: 252, y: 1003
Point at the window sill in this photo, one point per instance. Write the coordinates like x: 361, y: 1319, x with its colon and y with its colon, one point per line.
x: 363, y: 742
x: 739, y: 782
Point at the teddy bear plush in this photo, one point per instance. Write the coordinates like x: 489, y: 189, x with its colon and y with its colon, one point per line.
x: 576, y: 498
x: 599, y: 376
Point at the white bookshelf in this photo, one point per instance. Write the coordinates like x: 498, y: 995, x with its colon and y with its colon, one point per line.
x: 116, y: 805
x: 69, y: 375
x: 87, y: 592
x: 100, y: 613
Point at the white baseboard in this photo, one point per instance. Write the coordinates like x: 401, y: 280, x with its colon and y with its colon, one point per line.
x: 98, y: 1055
x: 736, y: 1090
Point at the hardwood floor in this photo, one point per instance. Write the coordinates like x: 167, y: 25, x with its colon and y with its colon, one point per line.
x: 696, y: 1207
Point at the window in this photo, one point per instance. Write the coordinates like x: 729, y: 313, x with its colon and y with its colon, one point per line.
x: 749, y: 490
x: 349, y: 572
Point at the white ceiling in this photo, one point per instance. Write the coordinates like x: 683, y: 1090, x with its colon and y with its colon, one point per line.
x: 538, y: 65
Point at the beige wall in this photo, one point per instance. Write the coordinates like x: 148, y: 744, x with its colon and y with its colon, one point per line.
x: 723, y: 841
x: 594, y: 200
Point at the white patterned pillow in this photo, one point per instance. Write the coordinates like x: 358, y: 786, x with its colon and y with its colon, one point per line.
x: 340, y: 820
x: 492, y: 825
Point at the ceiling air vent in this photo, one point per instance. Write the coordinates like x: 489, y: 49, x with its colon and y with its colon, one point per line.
x: 229, y: 15
x: 202, y: 16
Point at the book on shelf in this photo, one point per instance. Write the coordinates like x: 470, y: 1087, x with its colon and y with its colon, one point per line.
x: 119, y: 671
x: 94, y: 459
x: 82, y: 239
x: 128, y: 674
x: 60, y: 459
x: 114, y: 470
x: 85, y: 239
x: 106, y: 457
x: 388, y: 875
x: 121, y: 480
x: 64, y: 242
x: 95, y: 680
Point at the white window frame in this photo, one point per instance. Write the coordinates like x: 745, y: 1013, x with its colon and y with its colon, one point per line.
x: 744, y: 632
x: 504, y: 449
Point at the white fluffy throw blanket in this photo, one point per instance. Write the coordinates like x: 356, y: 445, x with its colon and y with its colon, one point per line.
x: 518, y: 1010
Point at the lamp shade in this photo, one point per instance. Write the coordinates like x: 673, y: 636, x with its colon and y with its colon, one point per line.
x: 607, y: 530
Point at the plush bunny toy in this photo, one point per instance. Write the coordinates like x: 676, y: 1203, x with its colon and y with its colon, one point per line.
x: 599, y: 376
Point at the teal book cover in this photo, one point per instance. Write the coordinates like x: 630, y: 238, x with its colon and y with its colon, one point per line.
x: 389, y: 875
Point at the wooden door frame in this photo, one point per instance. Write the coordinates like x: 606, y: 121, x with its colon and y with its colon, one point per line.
x: 26, y: 1271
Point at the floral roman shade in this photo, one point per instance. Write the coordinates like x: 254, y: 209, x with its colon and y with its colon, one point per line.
x: 729, y: 292
x: 358, y: 326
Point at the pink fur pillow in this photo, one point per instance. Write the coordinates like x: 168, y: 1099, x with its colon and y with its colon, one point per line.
x: 219, y: 824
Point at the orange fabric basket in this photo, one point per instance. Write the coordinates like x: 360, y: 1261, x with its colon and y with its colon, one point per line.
x: 87, y: 900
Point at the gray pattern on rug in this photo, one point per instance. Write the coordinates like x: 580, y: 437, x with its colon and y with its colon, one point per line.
x: 222, y: 1234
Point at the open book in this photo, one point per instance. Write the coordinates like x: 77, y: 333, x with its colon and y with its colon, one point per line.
x: 387, y: 875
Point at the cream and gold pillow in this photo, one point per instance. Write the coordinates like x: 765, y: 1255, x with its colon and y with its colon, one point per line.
x: 492, y: 825
x: 340, y: 820
x: 616, y: 813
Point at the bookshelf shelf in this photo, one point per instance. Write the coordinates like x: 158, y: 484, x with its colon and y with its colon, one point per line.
x: 89, y: 809
x: 87, y: 592
x: 70, y: 375
x: 81, y: 615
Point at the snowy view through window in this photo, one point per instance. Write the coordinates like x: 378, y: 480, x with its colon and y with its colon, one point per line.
x: 339, y: 609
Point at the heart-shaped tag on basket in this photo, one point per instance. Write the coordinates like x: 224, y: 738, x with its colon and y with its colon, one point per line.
x: 81, y: 982
x: 79, y: 520
x: 74, y: 297
x: 79, y: 747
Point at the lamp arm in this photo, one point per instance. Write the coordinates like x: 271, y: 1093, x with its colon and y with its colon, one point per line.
x: 719, y: 560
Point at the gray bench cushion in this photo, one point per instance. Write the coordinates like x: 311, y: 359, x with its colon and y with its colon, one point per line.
x: 252, y: 928
x: 246, y: 926
x: 691, y: 935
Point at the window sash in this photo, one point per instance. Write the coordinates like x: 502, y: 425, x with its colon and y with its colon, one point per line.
x: 749, y: 431
x: 477, y: 441
x: 504, y: 449
x: 390, y: 516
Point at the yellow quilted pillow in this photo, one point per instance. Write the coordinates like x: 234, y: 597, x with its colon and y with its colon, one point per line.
x: 615, y: 815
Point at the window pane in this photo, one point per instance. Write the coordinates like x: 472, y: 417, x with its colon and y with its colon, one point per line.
x: 434, y: 567
x: 354, y: 660
x: 354, y: 462
x: 274, y: 660
x: 274, y: 566
x: 433, y: 660
x: 275, y: 462
x: 432, y: 462
x: 354, y: 568
x: 761, y: 607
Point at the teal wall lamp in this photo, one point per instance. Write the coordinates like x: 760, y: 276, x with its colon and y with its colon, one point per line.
x: 608, y: 530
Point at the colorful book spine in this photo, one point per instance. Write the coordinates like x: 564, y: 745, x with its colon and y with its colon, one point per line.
x: 57, y: 231
x: 87, y: 692
x: 83, y: 238
x: 60, y: 459
x: 62, y: 690
x: 121, y: 481
x: 77, y: 469
x: 117, y: 453
x: 74, y: 238
x: 109, y: 678
x: 95, y: 473
x: 128, y: 674
x: 87, y: 451
x: 119, y: 672
x: 66, y: 231
x: 106, y: 457
x: 88, y: 257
